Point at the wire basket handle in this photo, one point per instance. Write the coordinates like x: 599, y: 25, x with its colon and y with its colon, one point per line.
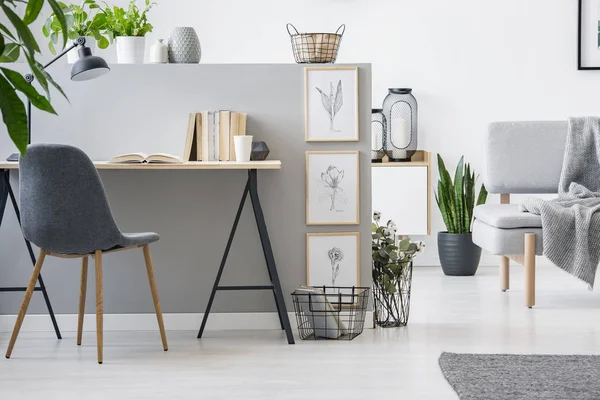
x: 287, y: 26
x: 342, y: 27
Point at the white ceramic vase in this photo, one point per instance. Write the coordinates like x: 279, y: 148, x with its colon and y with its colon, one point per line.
x: 158, y: 53
x: 243, y: 147
x: 73, y: 55
x: 130, y: 49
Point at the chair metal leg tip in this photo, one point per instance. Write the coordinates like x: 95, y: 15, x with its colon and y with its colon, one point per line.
x: 503, y: 290
x: 530, y: 307
x: 166, y: 349
x: 7, y: 357
x: 99, y: 362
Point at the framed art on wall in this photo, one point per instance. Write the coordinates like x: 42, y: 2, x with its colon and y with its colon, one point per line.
x: 331, y: 104
x: 332, y: 188
x: 588, y: 39
x: 332, y: 259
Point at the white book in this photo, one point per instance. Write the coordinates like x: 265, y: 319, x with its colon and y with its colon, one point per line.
x: 205, y: 126
x: 217, y: 130
x: 211, y: 136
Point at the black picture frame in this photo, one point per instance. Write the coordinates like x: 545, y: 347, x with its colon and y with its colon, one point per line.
x: 579, y: 28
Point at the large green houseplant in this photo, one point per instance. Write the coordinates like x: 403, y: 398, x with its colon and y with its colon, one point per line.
x: 16, y: 39
x: 85, y: 19
x: 456, y: 201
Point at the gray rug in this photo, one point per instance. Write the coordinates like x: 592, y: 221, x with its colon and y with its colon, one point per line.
x: 514, y: 377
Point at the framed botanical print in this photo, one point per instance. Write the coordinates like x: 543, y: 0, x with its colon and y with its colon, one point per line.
x: 331, y: 104
x: 333, y: 259
x: 588, y: 54
x: 332, y: 188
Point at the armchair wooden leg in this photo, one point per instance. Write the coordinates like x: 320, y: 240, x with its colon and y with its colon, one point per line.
x: 82, y: 294
x: 26, y: 299
x: 504, y: 273
x: 154, y: 291
x: 99, y: 306
x: 529, y: 264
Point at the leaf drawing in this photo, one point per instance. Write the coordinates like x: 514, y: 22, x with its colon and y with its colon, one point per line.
x: 332, y: 191
x: 332, y: 102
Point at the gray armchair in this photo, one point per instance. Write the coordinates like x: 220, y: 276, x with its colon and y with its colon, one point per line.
x: 521, y: 157
x: 65, y: 212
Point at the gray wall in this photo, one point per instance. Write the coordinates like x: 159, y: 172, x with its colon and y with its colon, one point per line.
x: 145, y: 108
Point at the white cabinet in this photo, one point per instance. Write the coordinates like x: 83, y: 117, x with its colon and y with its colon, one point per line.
x: 401, y: 192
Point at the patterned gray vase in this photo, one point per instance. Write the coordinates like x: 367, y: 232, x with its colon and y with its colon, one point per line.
x: 184, y: 46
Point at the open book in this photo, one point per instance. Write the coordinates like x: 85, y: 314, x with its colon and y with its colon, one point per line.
x: 160, y: 158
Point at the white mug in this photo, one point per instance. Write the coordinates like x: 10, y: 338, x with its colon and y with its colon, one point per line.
x: 243, y: 147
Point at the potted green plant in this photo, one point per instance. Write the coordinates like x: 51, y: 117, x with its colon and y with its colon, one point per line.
x: 129, y: 28
x: 82, y: 20
x: 459, y: 256
x: 392, y: 273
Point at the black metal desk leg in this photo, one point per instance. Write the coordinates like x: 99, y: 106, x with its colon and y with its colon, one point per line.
x: 223, y: 260
x: 269, y: 258
x: 3, y: 193
x: 31, y: 254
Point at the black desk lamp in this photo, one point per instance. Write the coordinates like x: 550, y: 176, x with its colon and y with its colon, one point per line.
x: 86, y: 68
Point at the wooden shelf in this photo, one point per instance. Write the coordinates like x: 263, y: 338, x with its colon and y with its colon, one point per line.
x: 191, y: 165
x: 420, y: 158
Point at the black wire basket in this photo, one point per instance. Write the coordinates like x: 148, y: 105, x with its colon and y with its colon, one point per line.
x: 315, y: 48
x: 327, y: 312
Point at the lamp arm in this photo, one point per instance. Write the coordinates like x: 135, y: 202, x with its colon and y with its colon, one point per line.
x: 80, y: 41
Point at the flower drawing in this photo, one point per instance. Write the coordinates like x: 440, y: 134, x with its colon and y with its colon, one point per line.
x: 332, y: 102
x: 333, y: 192
x: 335, y: 257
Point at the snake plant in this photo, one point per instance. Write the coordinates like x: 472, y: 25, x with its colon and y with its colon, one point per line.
x: 456, y: 200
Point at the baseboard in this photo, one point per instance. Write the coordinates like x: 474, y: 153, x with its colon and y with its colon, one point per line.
x: 147, y: 322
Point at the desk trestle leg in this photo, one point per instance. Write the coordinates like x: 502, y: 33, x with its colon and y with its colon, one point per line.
x: 252, y: 189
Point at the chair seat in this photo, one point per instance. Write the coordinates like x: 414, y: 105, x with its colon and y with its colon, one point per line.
x: 500, y: 241
x: 506, y: 216
x: 138, y: 239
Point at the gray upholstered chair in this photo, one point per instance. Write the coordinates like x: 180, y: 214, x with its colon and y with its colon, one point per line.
x: 521, y: 157
x: 65, y: 212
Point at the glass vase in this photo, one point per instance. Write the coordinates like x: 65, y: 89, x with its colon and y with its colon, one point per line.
x: 391, y: 309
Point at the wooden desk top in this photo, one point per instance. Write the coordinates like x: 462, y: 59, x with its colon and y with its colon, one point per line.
x: 190, y: 165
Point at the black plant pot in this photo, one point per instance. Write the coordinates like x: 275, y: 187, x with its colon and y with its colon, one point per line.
x: 459, y: 256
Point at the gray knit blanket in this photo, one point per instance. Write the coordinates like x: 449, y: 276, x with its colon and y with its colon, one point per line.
x: 571, y: 222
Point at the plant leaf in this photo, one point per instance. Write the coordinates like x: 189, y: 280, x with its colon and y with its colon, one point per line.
x: 339, y: 98
x: 32, y: 11
x: 458, y: 193
x: 58, y: 12
x: 1, y: 44
x: 11, y: 53
x: 7, y: 32
x: 22, y: 30
x: 13, y: 115
x: 19, y: 82
x: 326, y: 102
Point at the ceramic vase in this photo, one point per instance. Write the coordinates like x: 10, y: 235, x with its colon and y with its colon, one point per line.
x: 243, y: 148
x: 130, y: 49
x: 158, y: 53
x: 184, y: 46
x: 73, y: 55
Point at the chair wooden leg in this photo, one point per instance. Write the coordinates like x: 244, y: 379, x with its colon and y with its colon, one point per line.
x: 99, y: 307
x: 26, y: 299
x: 504, y: 273
x: 154, y: 291
x: 529, y: 264
x: 82, y: 293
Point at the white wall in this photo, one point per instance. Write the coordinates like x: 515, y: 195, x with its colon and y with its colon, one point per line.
x: 469, y: 61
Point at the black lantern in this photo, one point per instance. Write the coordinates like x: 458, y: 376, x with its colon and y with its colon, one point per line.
x: 400, y: 113
x: 377, y: 135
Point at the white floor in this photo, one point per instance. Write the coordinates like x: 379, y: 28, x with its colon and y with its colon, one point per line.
x: 448, y: 314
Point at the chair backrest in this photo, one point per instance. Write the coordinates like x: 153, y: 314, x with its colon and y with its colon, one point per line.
x: 64, y: 208
x: 524, y: 157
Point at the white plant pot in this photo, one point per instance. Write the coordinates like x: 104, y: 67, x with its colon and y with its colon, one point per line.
x: 130, y: 49
x: 73, y: 55
x: 243, y: 148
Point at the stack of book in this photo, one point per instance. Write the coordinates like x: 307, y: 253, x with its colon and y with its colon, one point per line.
x: 210, y: 135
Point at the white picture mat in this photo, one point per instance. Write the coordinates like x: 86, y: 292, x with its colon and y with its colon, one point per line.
x: 318, y: 123
x: 590, y: 14
x: 318, y: 263
x: 318, y: 204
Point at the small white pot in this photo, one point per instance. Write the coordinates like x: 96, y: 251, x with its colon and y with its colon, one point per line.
x: 243, y: 148
x: 130, y: 49
x: 73, y: 55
